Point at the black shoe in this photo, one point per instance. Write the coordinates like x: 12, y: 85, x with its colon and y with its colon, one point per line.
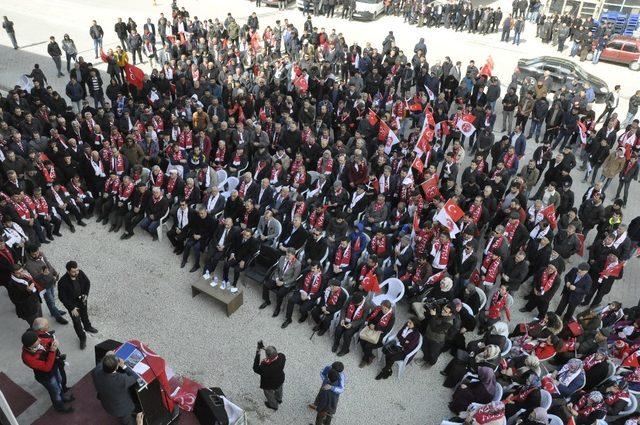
x: 105, y: 221
x: 154, y: 238
x: 50, y: 237
x: 126, y: 236
x: 443, y: 373
x: 342, y: 353
x: 73, y: 229
x: 334, y: 348
x: 316, y: 328
x: 82, y: 224
x: 63, y: 313
x: 83, y: 344
x: 264, y: 305
x: 276, y: 312
x: 62, y: 320
x: 91, y: 330
x: 179, y: 252
x: 380, y: 375
x: 322, y: 332
x: 194, y: 268
x: 45, y: 242
x: 272, y: 408
x: 175, y: 250
x: 68, y: 398
x: 286, y: 323
x: 98, y: 219
x: 65, y: 409
x: 112, y: 228
x: 183, y: 263
x: 523, y: 310
x: 302, y: 319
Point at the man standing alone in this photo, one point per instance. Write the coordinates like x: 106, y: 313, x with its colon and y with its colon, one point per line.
x: 8, y: 27
x: 73, y: 289
x: 54, y: 51
x: 96, y: 33
x: 271, y: 371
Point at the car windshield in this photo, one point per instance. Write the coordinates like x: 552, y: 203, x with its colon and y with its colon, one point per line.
x: 368, y: 1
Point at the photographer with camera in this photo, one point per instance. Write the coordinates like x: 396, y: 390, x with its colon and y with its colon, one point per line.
x: 271, y: 371
x: 439, y: 319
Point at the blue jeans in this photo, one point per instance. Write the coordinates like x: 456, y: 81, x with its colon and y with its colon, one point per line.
x: 50, y: 299
x: 149, y: 225
x: 97, y: 45
x: 536, y: 127
x: 596, y: 56
x: 516, y: 38
x: 54, y: 387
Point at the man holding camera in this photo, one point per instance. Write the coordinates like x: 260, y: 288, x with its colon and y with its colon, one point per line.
x: 271, y: 371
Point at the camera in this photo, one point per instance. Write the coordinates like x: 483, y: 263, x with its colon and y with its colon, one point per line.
x: 435, y: 304
x: 260, y: 345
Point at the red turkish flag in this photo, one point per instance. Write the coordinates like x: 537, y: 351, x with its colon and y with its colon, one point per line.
x: 426, y: 136
x: 612, y: 271
x: 430, y: 188
x: 549, y: 213
x: 418, y: 164
x: 370, y: 282
x: 103, y: 56
x: 453, y: 210
x: 135, y: 76
x: 372, y: 117
x: 416, y: 221
x: 383, y: 131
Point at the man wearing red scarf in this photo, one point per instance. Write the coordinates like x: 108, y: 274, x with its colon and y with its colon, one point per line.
x: 545, y: 285
x: 352, y: 317
x: 309, y: 289
x: 331, y: 301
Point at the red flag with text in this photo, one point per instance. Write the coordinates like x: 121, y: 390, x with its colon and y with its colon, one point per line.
x: 549, y: 213
x: 430, y: 188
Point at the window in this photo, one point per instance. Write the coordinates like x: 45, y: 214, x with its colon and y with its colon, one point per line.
x: 630, y: 47
x: 551, y: 69
x: 615, y: 45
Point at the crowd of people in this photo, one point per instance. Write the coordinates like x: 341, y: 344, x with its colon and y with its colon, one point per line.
x: 362, y: 169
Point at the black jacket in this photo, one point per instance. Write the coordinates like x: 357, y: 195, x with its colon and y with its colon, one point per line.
x: 113, y: 390
x: 582, y: 286
x: 272, y: 374
x: 70, y: 292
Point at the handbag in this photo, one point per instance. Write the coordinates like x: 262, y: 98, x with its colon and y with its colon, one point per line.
x: 369, y: 335
x: 391, y: 350
x: 575, y: 328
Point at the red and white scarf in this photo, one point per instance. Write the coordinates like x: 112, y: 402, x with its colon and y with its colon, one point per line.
x: 354, y: 312
x: 546, y: 281
x: 440, y: 255
x: 312, y: 283
x: 343, y: 256
x: 510, y: 229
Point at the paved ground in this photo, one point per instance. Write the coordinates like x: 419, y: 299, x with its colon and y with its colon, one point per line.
x: 140, y: 292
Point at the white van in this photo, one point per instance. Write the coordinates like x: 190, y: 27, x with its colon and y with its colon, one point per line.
x: 368, y: 10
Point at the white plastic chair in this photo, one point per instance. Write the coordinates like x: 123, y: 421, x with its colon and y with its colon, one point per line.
x: 222, y: 178
x: 402, y: 364
x: 632, y: 407
x: 468, y: 308
x: 395, y: 291
x: 507, y: 348
x: 545, y: 399
x: 554, y: 420
x: 483, y: 298
x: 163, y: 223
x: 498, y: 395
x: 278, y: 227
x: 232, y: 183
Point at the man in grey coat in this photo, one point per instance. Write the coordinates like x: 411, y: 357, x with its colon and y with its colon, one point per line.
x: 282, y: 280
x: 113, y: 388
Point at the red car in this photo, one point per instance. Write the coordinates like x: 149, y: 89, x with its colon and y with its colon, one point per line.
x: 624, y: 50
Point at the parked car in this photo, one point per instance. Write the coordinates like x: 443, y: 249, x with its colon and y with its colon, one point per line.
x: 368, y: 10
x: 624, y: 50
x: 275, y: 2
x: 562, y: 71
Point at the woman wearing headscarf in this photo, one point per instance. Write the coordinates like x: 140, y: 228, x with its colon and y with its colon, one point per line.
x: 481, y: 390
x: 488, y: 414
x: 570, y: 378
x: 526, y: 396
x: 537, y: 417
x: 464, y: 362
x: 519, y: 368
x: 587, y: 410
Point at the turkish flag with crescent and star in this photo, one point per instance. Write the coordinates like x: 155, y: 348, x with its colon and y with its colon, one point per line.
x: 430, y: 188
x: 465, y: 126
x: 549, y: 213
x: 418, y: 164
x: 135, y: 76
x: 448, y: 215
x: 392, y: 139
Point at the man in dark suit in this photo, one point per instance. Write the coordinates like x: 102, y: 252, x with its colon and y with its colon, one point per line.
x: 264, y: 195
x: 24, y: 294
x: 282, y: 281
x: 294, y: 236
x: 240, y: 253
x: 139, y: 201
x: 201, y: 228
x: 73, y: 291
x: 282, y: 204
x: 113, y: 388
x: 182, y: 218
x: 577, y: 285
x: 224, y: 237
x: 157, y: 207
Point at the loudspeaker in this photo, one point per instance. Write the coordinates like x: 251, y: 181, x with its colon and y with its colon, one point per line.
x: 209, y: 408
x: 104, y: 347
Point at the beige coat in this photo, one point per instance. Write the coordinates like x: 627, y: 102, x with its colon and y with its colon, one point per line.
x: 613, y: 165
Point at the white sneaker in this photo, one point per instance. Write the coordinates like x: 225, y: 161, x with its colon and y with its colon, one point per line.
x: 233, y: 289
x: 223, y: 285
x: 214, y: 283
x: 206, y: 276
